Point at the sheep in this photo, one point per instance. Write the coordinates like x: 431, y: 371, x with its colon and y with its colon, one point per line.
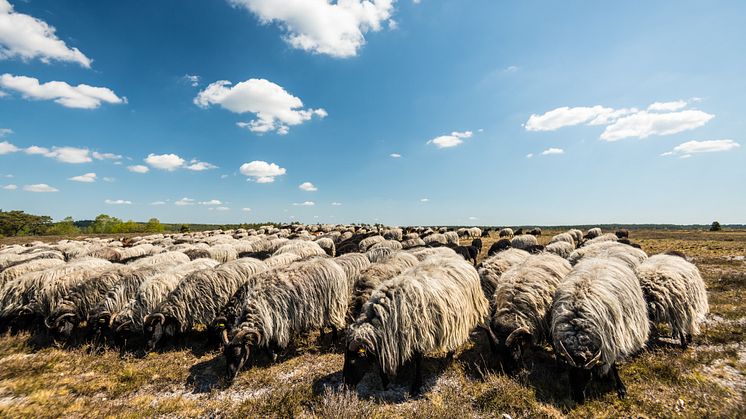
x: 379, y: 254
x: 522, y: 303
x: 302, y: 297
x: 477, y: 243
x: 560, y: 248
x: 373, y: 275
x: 353, y: 264
x: 563, y: 237
x: 622, y: 234
x: 486, y: 233
x: 593, y: 233
x: 451, y: 237
x: 506, y: 233
x: 393, y: 234
x: 607, y: 237
x: 410, y: 243
x: 498, y: 246
x: 524, y: 241
x: 366, y: 243
x: 436, y: 238
x: 10, y: 260
x: 33, y: 265
x: 431, y: 307
x: 304, y: 249
x: 599, y: 317
x: 391, y: 244
x: 675, y: 293
x: 422, y: 254
x: 627, y: 254
x: 493, y: 267
x: 535, y: 232
x: 469, y: 253
x: 166, y: 258
x: 281, y: 260
x: 327, y: 245
x: 197, y: 299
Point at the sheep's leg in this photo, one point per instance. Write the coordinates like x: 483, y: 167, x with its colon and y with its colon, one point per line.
x: 334, y: 334
x: 654, y: 334
x: 621, y: 389
x: 684, y: 340
x: 492, y: 339
x: 579, y: 378
x: 417, y: 383
x: 384, y: 378
x: 270, y: 351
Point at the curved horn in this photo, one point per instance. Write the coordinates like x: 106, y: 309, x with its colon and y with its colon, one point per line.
x: 154, y: 316
x: 224, y: 337
x: 122, y: 325
x: 515, y: 334
x: 595, y: 360
x: 566, y: 355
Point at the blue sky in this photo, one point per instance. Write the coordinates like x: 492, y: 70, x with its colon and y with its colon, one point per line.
x: 501, y: 113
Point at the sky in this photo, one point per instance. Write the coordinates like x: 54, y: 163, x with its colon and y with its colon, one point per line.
x: 430, y: 112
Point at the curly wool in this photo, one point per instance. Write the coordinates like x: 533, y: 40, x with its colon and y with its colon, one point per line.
x: 123, y: 291
x: 27, y: 266
x: 451, y: 237
x: 675, y: 292
x: 368, y: 242
x: 577, y: 235
x: 304, y: 296
x: 629, y: 255
x: 284, y: 259
x: 413, y: 242
x: 352, y: 264
x: 563, y: 237
x: 9, y: 260
x: 165, y: 258
x: 492, y: 268
x: 437, y: 238
x: 562, y: 249
x: 431, y: 307
x: 390, y: 244
x: 327, y: 244
x: 374, y: 275
x: 302, y: 248
x: 523, y: 298
x: 524, y: 241
x: 599, y: 309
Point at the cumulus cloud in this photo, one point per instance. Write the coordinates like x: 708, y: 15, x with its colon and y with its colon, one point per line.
x: 184, y: 201
x: 117, y: 202
x: 552, y: 150
x: 211, y: 202
x: 10, y: 187
x: 685, y: 150
x: 27, y: 37
x: 86, y: 178
x: 167, y: 162
x: 275, y: 109
x: 644, y: 124
x: 566, y: 116
x: 199, y: 166
x: 71, y: 155
x: 6, y: 147
x: 261, y: 171
x: 304, y: 204
x: 452, y: 140
x: 39, y: 187
x: 246, y: 209
x: 323, y: 26
x: 395, y: 155
x: 81, y: 96
x: 308, y: 187
x: 138, y: 168
x: 105, y: 156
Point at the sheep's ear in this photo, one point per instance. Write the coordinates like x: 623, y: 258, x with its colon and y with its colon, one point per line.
x: 520, y: 334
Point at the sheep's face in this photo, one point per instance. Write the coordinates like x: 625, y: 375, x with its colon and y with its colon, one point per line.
x: 358, y: 360
x: 64, y: 327
x: 236, y: 355
x: 582, y: 350
x: 157, y: 328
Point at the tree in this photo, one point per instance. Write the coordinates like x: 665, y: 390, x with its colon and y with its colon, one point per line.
x: 105, y: 224
x: 184, y: 228
x: 16, y: 223
x: 65, y: 227
x: 715, y: 226
x: 154, y: 226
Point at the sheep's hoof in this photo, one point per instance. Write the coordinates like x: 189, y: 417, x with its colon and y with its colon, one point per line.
x: 622, y: 393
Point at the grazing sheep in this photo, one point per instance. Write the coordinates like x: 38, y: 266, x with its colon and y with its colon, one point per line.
x: 563, y: 237
x: 352, y: 264
x: 486, y: 233
x: 451, y: 237
x: 494, y: 266
x: 393, y: 234
x: 506, y: 233
x: 379, y: 254
x: 391, y: 244
x: 622, y: 234
x: 33, y: 265
x: 469, y: 253
x: 304, y: 249
x: 499, y: 246
x: 560, y: 248
x: 422, y: 254
x: 165, y: 258
x: 518, y: 232
x: 608, y: 237
x: 577, y: 235
x: 592, y: 233
x: 327, y: 244
x: 9, y: 260
x: 535, y: 232
x: 524, y: 241
x: 599, y: 317
x: 197, y: 299
x: 432, y: 307
x: 281, y: 260
x: 474, y: 232
x: 675, y: 293
x: 629, y: 255
x: 302, y: 297
x: 372, y: 276
x: 477, y: 243
x: 366, y: 243
x: 436, y: 238
x: 410, y: 243
x: 522, y: 305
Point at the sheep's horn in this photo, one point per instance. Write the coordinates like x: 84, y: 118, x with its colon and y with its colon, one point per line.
x: 515, y: 334
x: 593, y: 361
x: 565, y: 354
x: 224, y: 336
x: 155, y: 316
x: 122, y: 325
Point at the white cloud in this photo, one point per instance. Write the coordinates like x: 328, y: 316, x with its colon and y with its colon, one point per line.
x: 395, y: 155
x: 71, y: 155
x: 158, y: 203
x: 473, y: 218
x: 220, y: 208
x: 511, y: 69
x: 9, y: 176
x: 10, y: 187
x: 105, y: 156
x: 6, y: 147
x: 275, y: 108
x: 246, y: 209
x: 668, y: 106
x: 223, y: 176
x: 644, y: 124
x: 86, y: 178
x: 685, y: 150
x: 39, y: 187
x: 199, y: 166
x: 27, y: 37
x: 118, y: 202
x: 191, y: 79
x: 529, y: 155
x: 5, y: 131
x: 452, y: 140
x: 261, y: 171
x: 108, y: 179
x: 552, y: 150
x: 304, y: 204
x: 336, y: 204
x: 168, y: 162
x: 321, y: 26
x: 425, y: 200
x: 81, y: 96
x: 138, y: 168
x: 211, y: 202
x: 566, y: 116
x: 308, y: 187
x: 184, y: 201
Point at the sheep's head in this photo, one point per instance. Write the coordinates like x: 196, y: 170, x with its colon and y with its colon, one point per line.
x: 155, y: 327
x: 62, y: 325
x: 359, y: 358
x: 237, y: 351
x: 581, y: 350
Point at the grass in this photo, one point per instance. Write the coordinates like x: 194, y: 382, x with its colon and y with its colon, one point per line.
x: 706, y: 380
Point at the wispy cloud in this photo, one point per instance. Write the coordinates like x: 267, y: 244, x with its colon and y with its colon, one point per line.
x: 685, y: 150
x: 86, y: 178
x: 452, y: 140
x: 39, y: 187
x: 117, y: 202
x: 81, y: 96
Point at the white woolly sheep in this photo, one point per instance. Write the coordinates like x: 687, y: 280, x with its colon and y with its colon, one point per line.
x: 492, y: 268
x: 506, y: 233
x: 629, y: 255
x: 524, y: 241
x: 560, y: 248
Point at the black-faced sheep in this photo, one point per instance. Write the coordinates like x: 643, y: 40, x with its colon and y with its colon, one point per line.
x: 535, y: 232
x: 499, y: 246
x: 432, y: 307
x: 372, y: 276
x: 622, y: 234
x: 523, y: 241
x: 494, y: 266
x: 599, y: 317
x: 675, y: 293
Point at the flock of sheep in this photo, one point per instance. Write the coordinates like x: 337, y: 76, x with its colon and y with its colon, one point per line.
x: 395, y: 294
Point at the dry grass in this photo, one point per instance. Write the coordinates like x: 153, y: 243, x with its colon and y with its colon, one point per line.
x: 707, y: 380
